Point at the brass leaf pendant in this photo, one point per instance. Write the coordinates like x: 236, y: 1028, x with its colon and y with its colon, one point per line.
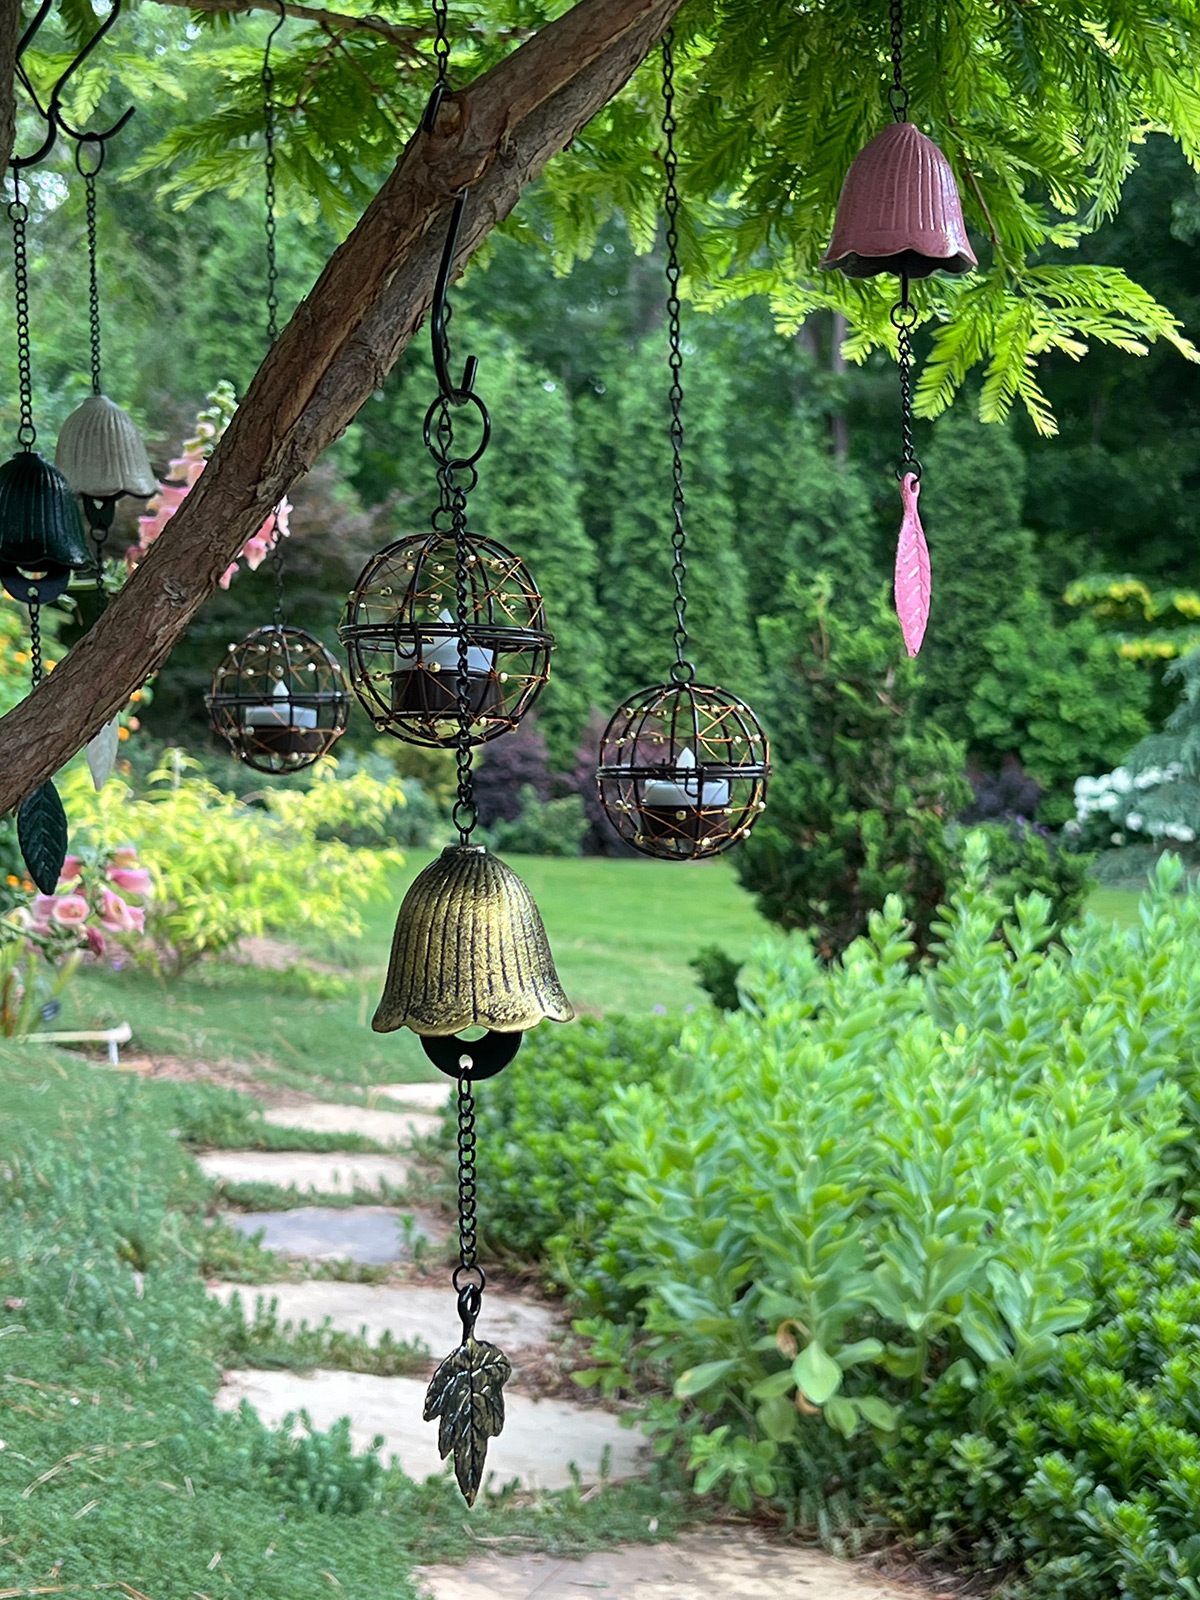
x: 467, y: 1393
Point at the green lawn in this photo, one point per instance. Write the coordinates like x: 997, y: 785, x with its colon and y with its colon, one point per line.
x: 623, y: 933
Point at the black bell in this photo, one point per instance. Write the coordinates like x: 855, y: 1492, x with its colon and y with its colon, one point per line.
x: 40, y: 529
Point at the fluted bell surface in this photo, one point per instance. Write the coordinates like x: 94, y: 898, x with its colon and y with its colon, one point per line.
x: 40, y: 526
x: 899, y: 211
x: 101, y: 453
x: 469, y: 951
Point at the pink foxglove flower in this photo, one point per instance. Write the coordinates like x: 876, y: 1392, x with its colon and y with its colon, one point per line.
x: 95, y: 940
x: 71, y: 868
x: 116, y: 916
x: 41, y: 910
x: 132, y: 880
x: 70, y: 911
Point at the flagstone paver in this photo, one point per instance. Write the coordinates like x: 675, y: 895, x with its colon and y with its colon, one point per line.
x: 407, y: 1311
x: 718, y: 1564
x: 541, y: 1438
x: 388, y: 1127
x: 368, y: 1234
x: 428, y: 1096
x: 337, y: 1172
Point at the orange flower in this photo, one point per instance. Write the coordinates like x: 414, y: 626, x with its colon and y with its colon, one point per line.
x: 122, y: 733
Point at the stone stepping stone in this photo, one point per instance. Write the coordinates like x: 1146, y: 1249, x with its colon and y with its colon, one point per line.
x: 428, y: 1096
x: 369, y: 1234
x: 385, y: 1127
x: 407, y: 1311
x: 696, y: 1566
x: 541, y: 1438
x: 338, y: 1172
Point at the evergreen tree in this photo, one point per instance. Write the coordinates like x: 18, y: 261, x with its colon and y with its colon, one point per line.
x: 983, y: 559
x: 528, y: 499
x: 627, y: 461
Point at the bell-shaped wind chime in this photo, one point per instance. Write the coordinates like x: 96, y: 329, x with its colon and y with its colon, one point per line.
x: 448, y: 647
x: 899, y: 211
x: 42, y: 541
x: 279, y: 697
x: 683, y: 766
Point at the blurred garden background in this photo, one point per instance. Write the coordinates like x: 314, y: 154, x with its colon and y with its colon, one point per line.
x: 863, y: 1188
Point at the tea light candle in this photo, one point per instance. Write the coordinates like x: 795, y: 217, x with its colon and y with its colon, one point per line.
x: 277, y: 715
x: 442, y: 655
x: 665, y: 794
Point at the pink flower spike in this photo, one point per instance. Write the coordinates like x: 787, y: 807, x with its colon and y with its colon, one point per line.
x: 914, y: 582
x: 41, y: 910
x: 132, y: 880
x: 114, y: 913
x: 137, y: 919
x: 71, y: 868
x: 125, y: 856
x: 95, y: 940
x: 71, y: 910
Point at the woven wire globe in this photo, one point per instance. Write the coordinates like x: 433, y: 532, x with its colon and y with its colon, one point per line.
x: 402, y: 640
x: 683, y: 771
x: 279, y: 699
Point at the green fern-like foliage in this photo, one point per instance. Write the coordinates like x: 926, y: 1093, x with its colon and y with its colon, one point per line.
x: 1039, y: 105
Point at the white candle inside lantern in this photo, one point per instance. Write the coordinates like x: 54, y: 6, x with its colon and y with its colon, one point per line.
x: 664, y: 794
x: 442, y: 655
x: 277, y: 715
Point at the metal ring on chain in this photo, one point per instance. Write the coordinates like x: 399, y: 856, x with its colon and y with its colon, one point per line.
x: 438, y: 450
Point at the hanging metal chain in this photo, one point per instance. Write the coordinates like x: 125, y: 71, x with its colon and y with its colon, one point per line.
x: 89, y: 185
x: 897, y: 93
x: 18, y: 213
x: 904, y: 320
x: 468, y: 1258
x: 35, y: 638
x: 268, y: 92
x: 683, y: 671
x: 441, y: 40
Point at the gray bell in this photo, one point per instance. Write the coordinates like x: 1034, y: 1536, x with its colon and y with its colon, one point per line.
x: 101, y: 454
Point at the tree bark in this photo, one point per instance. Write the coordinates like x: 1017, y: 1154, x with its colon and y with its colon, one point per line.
x: 495, y: 136
x: 10, y: 31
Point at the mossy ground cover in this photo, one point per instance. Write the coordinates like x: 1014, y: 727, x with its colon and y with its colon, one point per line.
x: 116, y: 1470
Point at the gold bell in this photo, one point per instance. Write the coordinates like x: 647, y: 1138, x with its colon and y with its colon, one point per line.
x: 469, y: 951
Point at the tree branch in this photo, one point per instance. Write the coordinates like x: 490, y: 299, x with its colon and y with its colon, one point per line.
x: 408, y: 39
x: 496, y: 137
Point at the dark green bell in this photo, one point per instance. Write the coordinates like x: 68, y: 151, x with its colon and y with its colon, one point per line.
x: 40, y: 527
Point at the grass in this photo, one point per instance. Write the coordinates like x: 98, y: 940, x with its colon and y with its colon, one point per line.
x: 623, y: 933
x: 117, y: 1472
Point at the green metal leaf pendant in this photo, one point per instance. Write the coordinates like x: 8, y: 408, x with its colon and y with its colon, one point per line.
x: 467, y: 1393
x: 42, y: 836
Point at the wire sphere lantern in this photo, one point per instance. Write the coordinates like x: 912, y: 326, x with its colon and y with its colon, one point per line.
x: 279, y: 699
x: 683, y: 771
x: 402, y: 639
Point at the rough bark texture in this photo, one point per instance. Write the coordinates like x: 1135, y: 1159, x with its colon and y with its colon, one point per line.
x: 496, y: 136
x: 10, y: 29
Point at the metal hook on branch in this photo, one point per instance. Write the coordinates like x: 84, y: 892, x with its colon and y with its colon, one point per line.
x: 439, y: 318
x: 52, y: 112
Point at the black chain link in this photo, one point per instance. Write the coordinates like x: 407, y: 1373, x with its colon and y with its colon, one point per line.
x: 904, y: 320
x: 683, y: 671
x: 268, y: 91
x: 897, y: 93
x: 18, y: 213
x: 468, y: 1258
x: 456, y: 478
x: 441, y: 41
x: 35, y: 638
x: 89, y: 185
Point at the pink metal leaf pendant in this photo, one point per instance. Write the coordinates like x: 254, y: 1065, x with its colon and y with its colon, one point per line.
x: 914, y: 583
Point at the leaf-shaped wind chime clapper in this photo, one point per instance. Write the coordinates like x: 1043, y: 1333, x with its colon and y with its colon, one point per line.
x: 684, y: 765
x: 899, y: 211
x: 448, y: 648
x: 41, y: 536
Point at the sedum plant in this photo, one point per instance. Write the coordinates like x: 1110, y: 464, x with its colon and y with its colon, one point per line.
x: 875, y: 1175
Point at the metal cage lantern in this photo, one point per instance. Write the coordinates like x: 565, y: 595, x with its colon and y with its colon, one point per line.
x: 683, y: 771
x: 279, y: 699
x: 403, y: 639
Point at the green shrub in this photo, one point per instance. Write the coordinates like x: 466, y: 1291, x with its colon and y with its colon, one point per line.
x: 717, y: 974
x: 874, y: 1175
x: 1087, y: 1473
x: 863, y: 788
x: 1024, y: 860
x: 543, y: 827
x: 548, y: 1184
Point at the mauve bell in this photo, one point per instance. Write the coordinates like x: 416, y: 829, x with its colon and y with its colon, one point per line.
x: 899, y: 211
x: 40, y: 529
x: 469, y: 951
x: 101, y: 454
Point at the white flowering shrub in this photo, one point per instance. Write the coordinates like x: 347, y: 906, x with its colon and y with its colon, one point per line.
x: 1152, y: 803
